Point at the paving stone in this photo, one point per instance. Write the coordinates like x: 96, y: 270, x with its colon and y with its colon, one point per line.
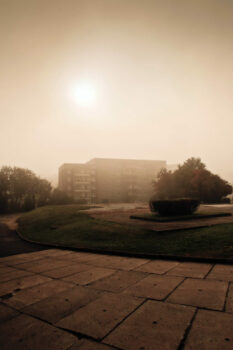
x: 202, y: 293
x: 80, y: 257
x: 22, y: 283
x: 211, y: 330
x: 157, y: 266
x: 6, y: 313
x: 6, y: 269
x: 63, y: 304
x: 21, y: 258
x: 222, y: 273
x: 34, y: 294
x: 119, y: 262
x: 66, y: 256
x: 57, y: 252
x: 86, y: 277
x: 94, y: 312
x: 90, y: 345
x: 119, y: 281
x: 105, y: 260
x: 188, y: 269
x: 5, y: 259
x: 92, y: 258
x: 153, y: 326
x: 44, y: 264
x: 24, y: 263
x: 67, y: 270
x: 154, y: 287
x: 71, y: 256
x: 229, y: 303
x: 13, y: 275
x: 40, y: 254
x: 26, y: 333
x: 100, y: 316
x: 14, y: 260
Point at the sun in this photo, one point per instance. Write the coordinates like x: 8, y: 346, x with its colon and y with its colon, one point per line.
x: 84, y: 94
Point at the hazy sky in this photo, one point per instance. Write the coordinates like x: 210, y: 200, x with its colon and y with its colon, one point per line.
x: 162, y: 72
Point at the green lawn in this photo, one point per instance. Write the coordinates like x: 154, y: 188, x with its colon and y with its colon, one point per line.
x: 68, y: 226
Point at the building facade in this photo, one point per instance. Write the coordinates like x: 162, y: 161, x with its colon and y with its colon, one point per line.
x: 104, y: 180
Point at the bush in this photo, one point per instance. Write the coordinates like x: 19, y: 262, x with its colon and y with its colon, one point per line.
x: 184, y: 206
x: 225, y: 200
x: 81, y: 201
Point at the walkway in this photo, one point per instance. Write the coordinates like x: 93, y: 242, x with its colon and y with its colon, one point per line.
x: 60, y: 300
x: 10, y: 243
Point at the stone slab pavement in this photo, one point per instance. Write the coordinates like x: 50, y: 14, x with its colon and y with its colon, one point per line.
x: 66, y: 300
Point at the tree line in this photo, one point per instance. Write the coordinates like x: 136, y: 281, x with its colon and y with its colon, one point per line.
x: 22, y: 190
x: 191, y: 180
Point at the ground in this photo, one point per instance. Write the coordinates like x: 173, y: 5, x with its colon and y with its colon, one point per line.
x: 60, y: 299
x: 121, y: 213
x: 10, y: 241
x: 111, y: 229
x: 67, y: 300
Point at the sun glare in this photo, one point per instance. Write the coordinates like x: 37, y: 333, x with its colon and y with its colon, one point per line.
x: 84, y: 94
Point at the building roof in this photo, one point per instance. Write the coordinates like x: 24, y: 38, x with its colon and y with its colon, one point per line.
x: 115, y: 160
x: 125, y: 160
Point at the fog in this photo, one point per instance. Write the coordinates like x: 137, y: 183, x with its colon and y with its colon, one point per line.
x: 161, y: 72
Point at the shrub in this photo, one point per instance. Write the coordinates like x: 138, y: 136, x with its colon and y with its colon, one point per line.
x: 225, y: 200
x: 81, y: 201
x: 184, y: 206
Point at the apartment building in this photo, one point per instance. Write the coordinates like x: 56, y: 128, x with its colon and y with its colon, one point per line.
x: 78, y: 181
x: 104, y: 180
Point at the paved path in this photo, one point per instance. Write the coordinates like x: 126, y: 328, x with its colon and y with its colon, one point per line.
x: 59, y: 299
x: 10, y: 241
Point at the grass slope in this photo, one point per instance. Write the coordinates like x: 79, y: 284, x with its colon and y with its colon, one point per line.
x: 68, y: 226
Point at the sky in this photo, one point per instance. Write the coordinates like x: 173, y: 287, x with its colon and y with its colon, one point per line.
x: 157, y: 76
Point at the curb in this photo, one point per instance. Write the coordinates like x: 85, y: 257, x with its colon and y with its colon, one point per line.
x: 131, y: 254
x: 197, y: 217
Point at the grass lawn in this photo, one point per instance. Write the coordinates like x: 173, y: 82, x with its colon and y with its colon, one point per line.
x: 68, y: 226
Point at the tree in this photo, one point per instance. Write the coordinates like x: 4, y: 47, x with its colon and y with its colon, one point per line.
x: 164, y: 186
x: 191, y: 180
x: 42, y: 190
x: 59, y: 197
x: 21, y: 189
x: 4, y: 189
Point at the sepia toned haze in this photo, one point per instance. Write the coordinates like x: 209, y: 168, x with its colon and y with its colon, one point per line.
x: 155, y: 79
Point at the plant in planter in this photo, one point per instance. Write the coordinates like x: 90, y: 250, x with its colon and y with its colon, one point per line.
x: 180, y: 206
